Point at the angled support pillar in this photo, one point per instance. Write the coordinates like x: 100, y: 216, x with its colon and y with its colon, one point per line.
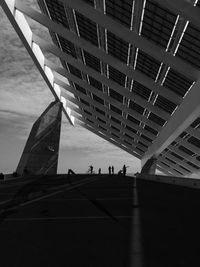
x: 150, y: 166
x: 40, y: 155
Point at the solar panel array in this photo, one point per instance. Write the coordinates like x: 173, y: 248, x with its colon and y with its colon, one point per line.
x: 124, y: 92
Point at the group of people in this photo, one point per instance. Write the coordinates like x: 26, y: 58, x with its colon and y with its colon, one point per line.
x: 111, y: 170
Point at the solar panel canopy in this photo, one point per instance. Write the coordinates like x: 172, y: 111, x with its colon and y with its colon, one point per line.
x: 133, y: 72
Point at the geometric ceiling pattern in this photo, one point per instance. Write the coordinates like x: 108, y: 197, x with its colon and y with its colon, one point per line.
x: 133, y: 69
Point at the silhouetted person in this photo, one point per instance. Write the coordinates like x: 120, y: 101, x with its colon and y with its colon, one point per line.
x: 99, y: 170
x: 124, y: 170
x: 112, y: 169
x: 109, y: 170
x: 91, y: 169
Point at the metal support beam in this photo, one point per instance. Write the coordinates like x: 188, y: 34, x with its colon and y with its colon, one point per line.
x: 187, y: 112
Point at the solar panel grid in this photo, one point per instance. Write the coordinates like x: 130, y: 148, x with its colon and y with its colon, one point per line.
x: 193, y: 165
x: 100, y: 111
x: 190, y: 46
x: 172, y: 166
x: 92, y: 61
x: 115, y: 120
x: 151, y: 130
x: 146, y: 138
x: 147, y: 64
x: 57, y: 12
x: 140, y: 150
x: 98, y: 99
x: 131, y: 129
x: 184, y: 169
x: 67, y: 46
x: 90, y: 2
x: 141, y: 90
x: 186, y: 150
x: 87, y: 28
x: 132, y: 119
x: 194, y: 141
x: 87, y: 112
x: 116, y: 76
x: 80, y: 89
x: 95, y: 83
x: 130, y: 137
x: 177, y: 83
x: 139, y: 142
x: 115, y: 109
x: 116, y: 129
x: 120, y: 11
x: 158, y: 23
x: 173, y: 162
x: 117, y: 47
x: 127, y: 142
x: 158, y: 120
x: 115, y: 135
x: 74, y: 71
x: 196, y: 123
x: 84, y: 102
x: 99, y: 119
x: 102, y: 128
x: 134, y: 106
x: 165, y: 104
x: 116, y: 95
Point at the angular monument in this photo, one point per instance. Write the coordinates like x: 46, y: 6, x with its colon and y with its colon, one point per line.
x: 40, y: 155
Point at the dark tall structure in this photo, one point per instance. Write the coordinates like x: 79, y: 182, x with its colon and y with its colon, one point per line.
x: 40, y: 155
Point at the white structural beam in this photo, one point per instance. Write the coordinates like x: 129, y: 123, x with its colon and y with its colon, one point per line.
x: 128, y: 36
x: 185, y: 114
x: 184, y: 8
x: 22, y: 28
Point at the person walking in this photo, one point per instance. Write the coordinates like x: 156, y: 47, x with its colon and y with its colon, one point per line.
x: 91, y: 169
x: 99, y: 170
x: 124, y: 170
x: 113, y: 170
x: 109, y: 170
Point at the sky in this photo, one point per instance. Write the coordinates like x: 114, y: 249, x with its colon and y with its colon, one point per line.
x: 24, y: 96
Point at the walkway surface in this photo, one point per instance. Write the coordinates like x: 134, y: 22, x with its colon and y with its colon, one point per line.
x: 85, y: 221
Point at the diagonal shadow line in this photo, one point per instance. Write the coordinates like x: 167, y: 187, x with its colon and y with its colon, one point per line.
x: 98, y: 205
